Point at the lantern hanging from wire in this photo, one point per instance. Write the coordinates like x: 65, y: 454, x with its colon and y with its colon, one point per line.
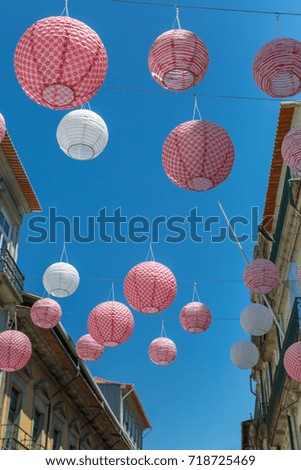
x: 292, y: 361
x: 88, y: 349
x: 61, y: 279
x: 195, y: 317
x: 45, y: 313
x: 198, y: 155
x: 2, y: 128
x: 261, y: 276
x: 244, y: 354
x: 291, y: 149
x: 162, y: 351
x: 256, y: 319
x: 277, y: 68
x: 60, y: 62
x: 82, y: 134
x: 15, y: 350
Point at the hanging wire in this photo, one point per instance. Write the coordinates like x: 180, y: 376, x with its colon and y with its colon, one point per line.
x: 112, y: 292
x: 64, y: 252
x: 196, y: 108
x: 277, y: 24
x: 195, y: 294
x: 177, y: 19
x: 163, y: 332
x: 150, y: 253
x: 66, y: 9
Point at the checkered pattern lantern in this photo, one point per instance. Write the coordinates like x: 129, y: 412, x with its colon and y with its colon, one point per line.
x: 111, y: 323
x: 82, y: 134
x: 244, y: 354
x: 277, y: 68
x: 178, y: 59
x: 60, y: 62
x: 15, y: 350
x: 150, y: 287
x: 88, y: 349
x: 2, y: 127
x: 61, y: 279
x: 198, y: 155
x: 45, y: 313
x: 195, y: 317
x: 292, y: 361
x: 162, y: 351
x: 261, y: 276
x: 256, y: 319
x: 291, y: 149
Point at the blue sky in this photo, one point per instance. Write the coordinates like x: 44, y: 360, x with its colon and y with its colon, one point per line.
x: 199, y: 401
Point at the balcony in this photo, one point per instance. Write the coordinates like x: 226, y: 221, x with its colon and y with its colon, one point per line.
x: 11, y: 279
x: 15, y: 438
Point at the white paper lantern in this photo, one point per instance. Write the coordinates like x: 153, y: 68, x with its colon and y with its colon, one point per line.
x: 256, y: 319
x: 244, y: 354
x: 61, y: 279
x: 82, y: 134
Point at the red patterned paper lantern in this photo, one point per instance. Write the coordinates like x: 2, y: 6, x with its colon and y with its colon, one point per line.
x: 150, y: 287
x: 45, y: 313
x: 60, y: 62
x: 111, y: 323
x: 261, y: 276
x: 198, y: 155
x: 292, y: 361
x: 15, y: 350
x: 195, y: 317
x: 277, y: 68
x: 162, y: 351
x: 291, y: 149
x: 2, y: 127
x: 178, y: 59
x: 88, y: 349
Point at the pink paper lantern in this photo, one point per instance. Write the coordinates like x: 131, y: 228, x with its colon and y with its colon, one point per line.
x: 198, y: 155
x: 291, y: 149
x: 88, y: 349
x: 277, y: 68
x: 178, y: 59
x: 261, y: 276
x: 111, y: 323
x: 292, y: 361
x: 195, y: 317
x: 45, y: 313
x: 162, y: 351
x: 15, y: 350
x: 2, y: 128
x: 150, y: 287
x: 60, y: 62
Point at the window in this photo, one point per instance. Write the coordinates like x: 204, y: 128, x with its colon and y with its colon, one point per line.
x: 5, y: 230
x: 38, y: 424
x: 14, y: 406
x: 56, y: 439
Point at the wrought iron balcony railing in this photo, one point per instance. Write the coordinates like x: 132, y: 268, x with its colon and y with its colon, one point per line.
x: 15, y: 438
x: 11, y: 271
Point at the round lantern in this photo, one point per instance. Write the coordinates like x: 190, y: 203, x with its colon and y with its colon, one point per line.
x: 15, y: 350
x: 60, y: 62
x: 82, y: 134
x: 2, y: 128
x: 261, y: 276
x: 292, y: 361
x: 277, y: 68
x: 291, y: 149
x: 244, y: 354
x: 195, y: 317
x: 198, y: 155
x: 256, y: 319
x: 162, y: 351
x: 111, y: 323
x: 178, y: 59
x: 45, y: 313
x: 88, y: 349
x: 150, y: 287
x: 61, y: 279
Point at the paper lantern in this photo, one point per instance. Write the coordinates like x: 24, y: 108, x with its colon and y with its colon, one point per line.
x: 45, y: 313
x: 150, y: 287
x: 256, y: 319
x: 277, y: 68
x: 195, y: 317
x: 178, y: 59
x: 198, y: 155
x: 2, y: 128
x: 60, y: 62
x: 15, y: 350
x: 61, y: 279
x: 261, y: 276
x: 82, y: 134
x: 292, y: 361
x: 111, y: 323
x: 88, y: 349
x: 244, y: 354
x: 291, y: 149
x: 162, y: 351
